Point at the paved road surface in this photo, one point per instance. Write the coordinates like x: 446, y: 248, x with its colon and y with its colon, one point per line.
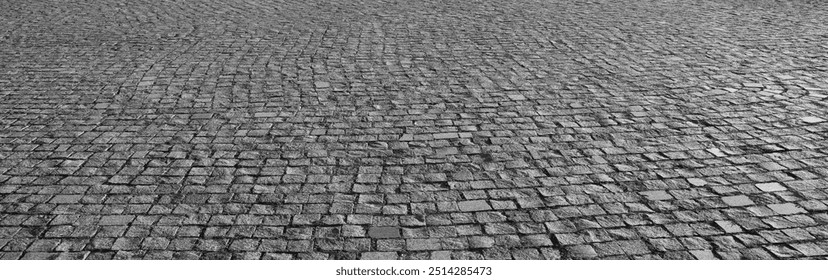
x: 473, y: 129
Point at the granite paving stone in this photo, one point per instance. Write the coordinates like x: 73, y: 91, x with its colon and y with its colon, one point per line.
x: 703, y: 254
x: 786, y: 208
x: 737, y: 200
x: 384, y: 232
x: 369, y: 129
x: 656, y: 195
x: 770, y: 187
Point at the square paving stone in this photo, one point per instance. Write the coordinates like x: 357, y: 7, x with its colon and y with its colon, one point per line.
x: 634, y: 247
x: 786, y: 209
x: 608, y: 249
x: 441, y: 255
x: 72, y: 256
x: 517, y: 97
x: 203, y: 116
x: 423, y: 244
x: 696, y: 182
x: 384, y: 232
x: 770, y: 187
x: 481, y: 242
x: 449, y: 135
x: 812, y: 120
x: 729, y: 227
x: 40, y: 256
x: 482, y: 185
x: 116, y: 220
x: 737, y: 200
x: 551, y: 253
x: 717, y: 152
x: 266, y: 115
x: 581, y: 251
x: 127, y: 244
x: 353, y: 231
x: 526, y: 254
x: 379, y: 256
x: 473, y: 206
x: 657, y: 195
x: 809, y: 249
x: 43, y: 245
x: 703, y: 255
x: 66, y: 199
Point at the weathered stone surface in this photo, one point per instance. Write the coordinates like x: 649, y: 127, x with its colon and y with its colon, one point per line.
x: 696, y: 182
x: 729, y: 226
x: 737, y: 200
x: 379, y: 256
x: 786, y: 208
x: 656, y: 195
x: 384, y: 232
x: 429, y: 129
x: 473, y: 206
x: 812, y: 120
x: 770, y: 187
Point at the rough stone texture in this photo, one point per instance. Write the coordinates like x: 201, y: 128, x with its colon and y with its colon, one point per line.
x: 384, y: 232
x: 696, y: 182
x: 770, y: 187
x: 377, y: 129
x: 812, y: 120
x: 786, y: 209
x: 379, y: 256
x: 737, y: 200
x: 656, y: 195
x: 473, y: 206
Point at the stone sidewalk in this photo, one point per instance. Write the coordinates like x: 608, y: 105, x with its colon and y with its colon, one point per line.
x: 413, y: 129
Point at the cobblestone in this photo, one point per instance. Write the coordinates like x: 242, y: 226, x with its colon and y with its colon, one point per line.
x: 770, y: 187
x: 372, y: 129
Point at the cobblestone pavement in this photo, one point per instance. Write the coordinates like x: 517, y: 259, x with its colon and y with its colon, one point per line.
x: 381, y: 129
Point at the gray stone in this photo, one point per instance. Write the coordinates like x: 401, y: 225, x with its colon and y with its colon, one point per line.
x: 696, y: 182
x: 448, y: 135
x: 481, y: 242
x: 423, y: 244
x: 717, y: 152
x: 379, y: 256
x: 703, y: 255
x: 473, y: 206
x: 770, y: 187
x: 656, y: 195
x: 441, y: 255
x: 812, y: 120
x: 786, y: 209
x: 266, y: 114
x: 517, y: 97
x: 737, y: 200
x: 581, y: 251
x: 384, y: 232
x: 809, y: 249
x: 116, y: 220
x: 729, y: 226
x: 482, y: 185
